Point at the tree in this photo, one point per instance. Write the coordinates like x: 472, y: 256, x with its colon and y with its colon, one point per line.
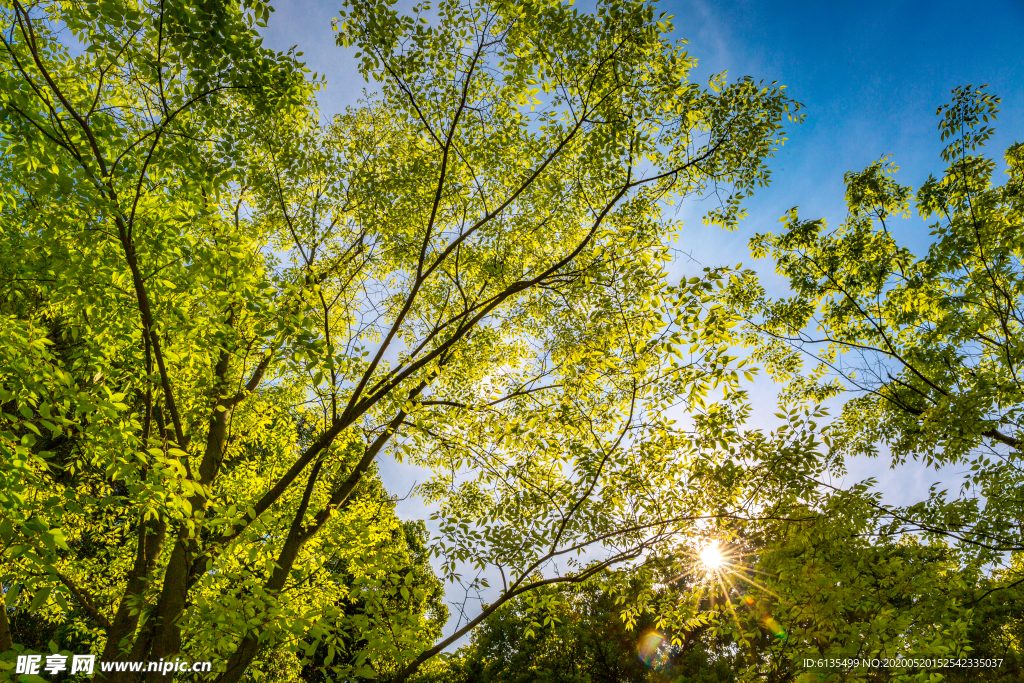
x: 816, y: 574
x: 843, y: 585
x: 582, y: 634
x: 929, y: 347
x: 571, y: 639
x: 937, y: 336
x: 402, y: 544
x: 997, y: 626
x: 798, y: 585
x: 395, y: 609
x: 219, y: 314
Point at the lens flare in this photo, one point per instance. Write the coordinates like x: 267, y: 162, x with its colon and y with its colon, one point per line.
x: 652, y: 649
x: 774, y: 628
x: 711, y: 556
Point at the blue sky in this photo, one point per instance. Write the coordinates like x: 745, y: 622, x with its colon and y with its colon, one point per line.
x: 871, y: 75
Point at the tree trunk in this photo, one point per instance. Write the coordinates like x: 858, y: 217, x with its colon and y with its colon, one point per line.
x: 6, y: 643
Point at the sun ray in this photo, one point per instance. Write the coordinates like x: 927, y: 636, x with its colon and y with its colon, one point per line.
x: 723, y: 569
x: 735, y: 616
x: 767, y: 621
x: 762, y: 588
x: 680, y: 576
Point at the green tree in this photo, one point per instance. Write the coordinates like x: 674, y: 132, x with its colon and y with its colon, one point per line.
x: 414, y: 537
x: 219, y: 314
x: 582, y: 634
x: 930, y: 346
x: 997, y: 626
x: 843, y: 584
x: 928, y: 350
x: 817, y: 572
x: 403, y: 545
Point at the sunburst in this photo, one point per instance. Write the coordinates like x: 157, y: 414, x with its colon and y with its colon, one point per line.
x: 723, y: 576
x: 711, y: 556
x: 726, y: 573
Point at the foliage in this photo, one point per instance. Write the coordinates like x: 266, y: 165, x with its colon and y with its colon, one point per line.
x: 997, y: 626
x: 839, y: 585
x: 930, y: 349
x: 580, y: 636
x: 826, y: 583
x: 414, y: 537
x: 938, y: 338
x: 219, y: 315
x: 821, y: 576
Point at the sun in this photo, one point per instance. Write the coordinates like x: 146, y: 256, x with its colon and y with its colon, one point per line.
x: 711, y: 556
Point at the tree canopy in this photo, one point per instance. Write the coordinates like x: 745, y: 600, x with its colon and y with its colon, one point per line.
x: 224, y: 319
x: 220, y: 314
x: 926, y: 352
x: 930, y: 347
